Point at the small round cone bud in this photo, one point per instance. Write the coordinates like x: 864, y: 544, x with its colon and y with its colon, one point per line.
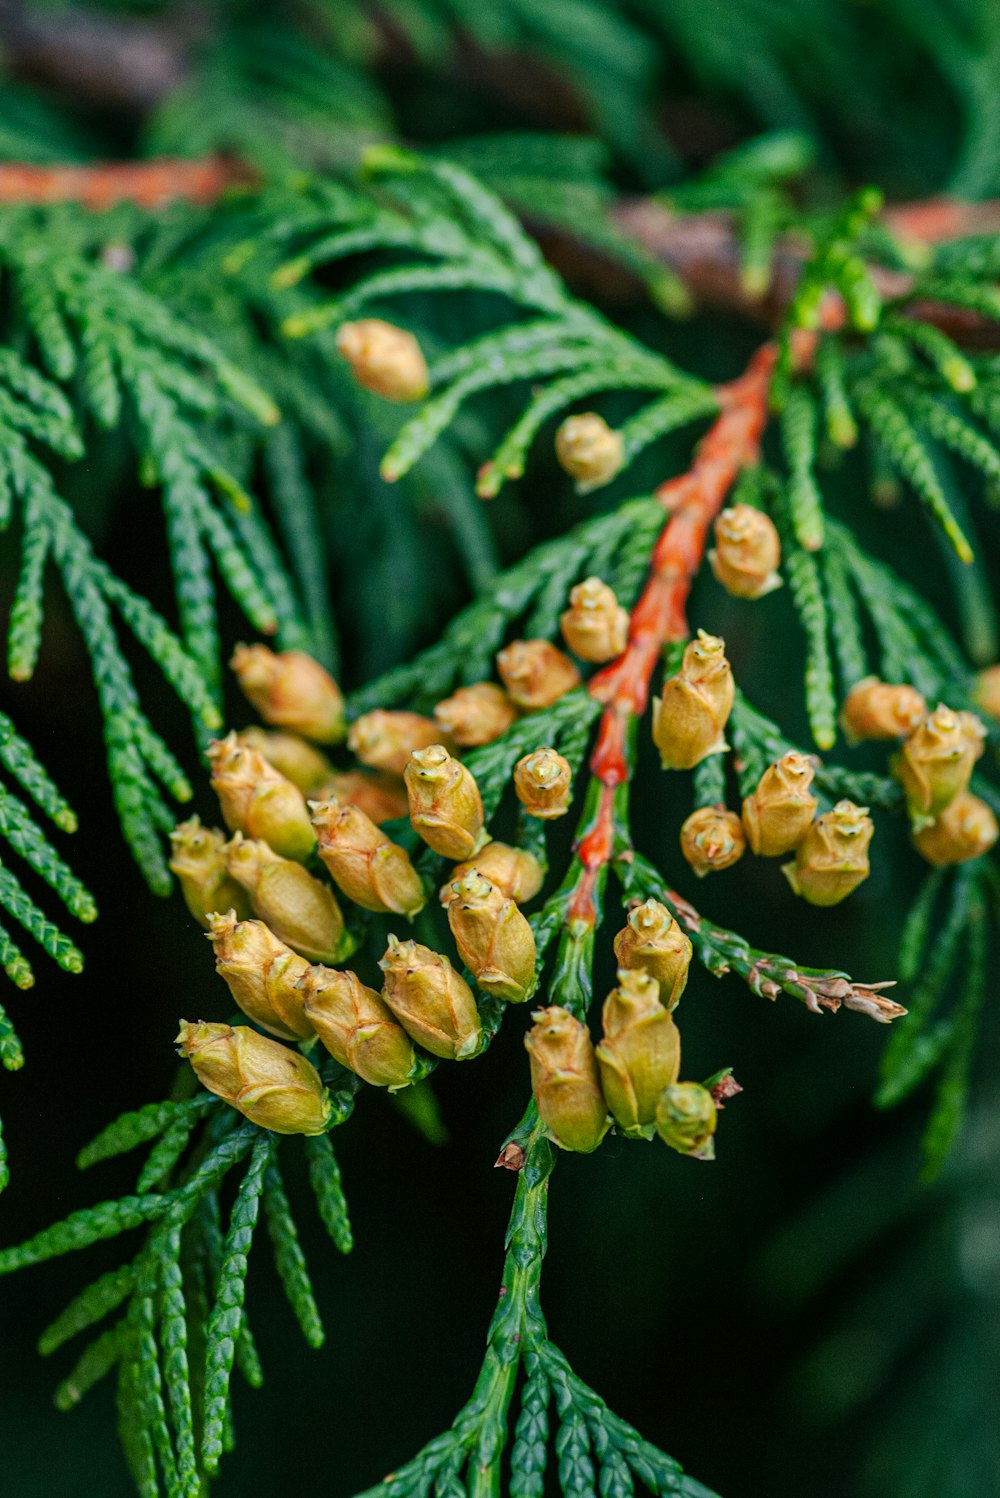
x: 290, y: 755
x: 298, y: 908
x: 935, y: 763
x: 543, y: 781
x: 987, y: 691
x: 476, y: 715
x: 198, y: 858
x: 747, y: 552
x: 432, y: 1002
x: 515, y: 871
x: 589, y: 450
x: 381, y: 797
x: 261, y: 973
x: 652, y: 942
x: 832, y: 858
x: 690, y: 718
x: 494, y: 940
x: 274, y: 1087
x: 536, y: 673
x: 257, y: 800
x: 686, y: 1116
x: 357, y: 1027
x: 385, y: 740
x: 595, y: 626
x: 363, y: 863
x: 712, y: 839
x: 876, y: 709
x: 780, y: 812
x: 565, y: 1081
x: 385, y: 359
x: 640, y: 1053
x: 446, y: 808
x: 291, y: 690
x: 965, y: 829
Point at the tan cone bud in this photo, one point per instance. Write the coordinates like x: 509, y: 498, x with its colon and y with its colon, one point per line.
x: 269, y: 1084
x: 686, y: 1117
x: 291, y: 690
x: 357, y: 1027
x: 747, y: 552
x: 257, y: 801
x: 198, y: 858
x: 476, y: 715
x: 965, y: 829
x: 935, y: 763
x: 384, y: 359
x: 780, y: 812
x: 589, y: 450
x: 380, y: 796
x: 987, y: 691
x: 494, y: 940
x: 363, y: 863
x: 515, y: 871
x: 261, y: 973
x: 565, y: 1081
x: 290, y: 755
x: 690, y: 718
x: 832, y: 858
x: 432, y: 1002
x: 543, y: 781
x: 876, y: 709
x: 595, y: 626
x: 652, y: 942
x: 385, y: 740
x: 298, y: 908
x: 640, y: 1053
x: 712, y: 839
x: 536, y: 673
x: 446, y: 808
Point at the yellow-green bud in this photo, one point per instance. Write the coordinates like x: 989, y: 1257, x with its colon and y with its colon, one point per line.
x: 589, y: 450
x: 640, y: 1053
x: 476, y: 715
x: 747, y: 552
x: 385, y: 740
x: 298, y: 908
x: 965, y: 829
x: 936, y: 761
x: 494, y: 940
x: 565, y: 1081
x: 652, y: 942
x: 686, y: 1116
x: 832, y: 858
x: 690, y: 718
x: 198, y: 858
x: 257, y: 800
x: 536, y: 673
x: 385, y: 359
x: 778, y: 814
x: 301, y: 763
x: 432, y: 1002
x: 514, y: 870
x: 261, y: 973
x: 381, y: 797
x: 364, y: 864
x: 712, y: 839
x: 291, y: 690
x: 595, y: 626
x: 446, y: 808
x: 876, y: 709
x: 543, y: 782
x: 357, y: 1027
x: 269, y: 1084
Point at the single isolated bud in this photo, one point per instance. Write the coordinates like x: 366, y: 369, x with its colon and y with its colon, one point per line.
x: 291, y: 690
x: 494, y: 940
x: 780, y: 811
x: 363, y: 863
x: 257, y: 801
x: 290, y: 755
x: 536, y: 673
x: 832, y: 858
x: 198, y: 858
x: 965, y: 829
x: 876, y: 709
x: 640, y: 1053
x: 476, y: 715
x: 686, y: 1116
x: 261, y: 973
x: 589, y: 450
x: 269, y: 1084
x: 298, y: 908
x: 432, y: 1002
x: 384, y: 359
x: 381, y: 797
x: 747, y: 552
x: 935, y: 763
x: 515, y: 871
x: 565, y: 1081
x: 689, y: 719
x: 357, y: 1027
x: 652, y: 942
x: 543, y: 781
x: 385, y: 740
x: 446, y: 808
x: 595, y: 626
x: 712, y: 839
x: 987, y: 691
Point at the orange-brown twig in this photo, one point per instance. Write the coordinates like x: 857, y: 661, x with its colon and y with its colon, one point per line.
x: 100, y: 185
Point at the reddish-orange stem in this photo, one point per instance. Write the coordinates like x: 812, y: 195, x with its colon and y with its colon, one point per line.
x: 151, y: 184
